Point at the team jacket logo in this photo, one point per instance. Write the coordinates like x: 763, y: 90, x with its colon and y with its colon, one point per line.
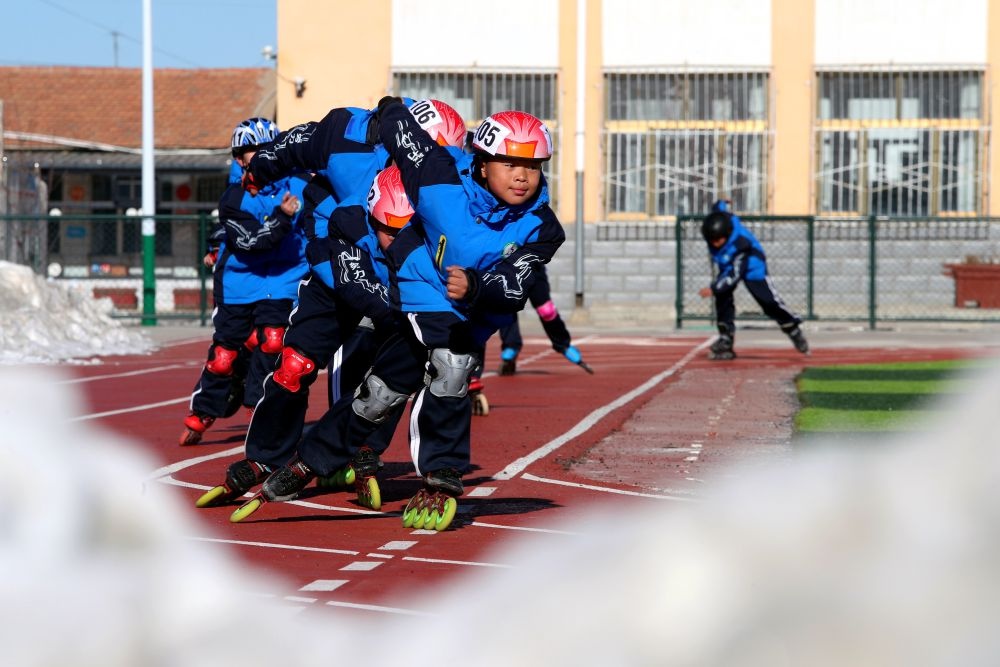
x: 404, y: 139
x: 509, y: 249
x: 300, y: 134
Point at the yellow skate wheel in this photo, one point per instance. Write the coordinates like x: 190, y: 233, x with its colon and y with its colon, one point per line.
x: 369, y: 494
x: 413, y: 509
x: 246, y: 509
x: 422, y: 517
x: 338, y: 479
x: 448, y: 509
x: 210, y: 496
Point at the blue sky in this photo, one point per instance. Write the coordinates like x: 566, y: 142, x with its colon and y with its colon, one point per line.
x: 186, y: 33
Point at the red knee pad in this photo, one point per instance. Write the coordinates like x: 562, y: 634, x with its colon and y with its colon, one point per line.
x: 547, y: 311
x: 222, y: 361
x: 251, y: 342
x: 273, y: 338
x: 294, y: 366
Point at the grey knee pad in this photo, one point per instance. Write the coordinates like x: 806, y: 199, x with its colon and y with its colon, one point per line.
x: 375, y: 401
x: 450, y: 373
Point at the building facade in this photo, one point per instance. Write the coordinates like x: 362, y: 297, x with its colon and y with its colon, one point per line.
x: 788, y: 107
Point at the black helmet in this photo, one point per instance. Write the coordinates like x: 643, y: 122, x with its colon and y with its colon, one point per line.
x: 717, y: 225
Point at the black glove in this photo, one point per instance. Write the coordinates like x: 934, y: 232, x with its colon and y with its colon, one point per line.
x: 372, y: 136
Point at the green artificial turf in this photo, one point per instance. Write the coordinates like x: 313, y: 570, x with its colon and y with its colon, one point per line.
x: 869, y: 398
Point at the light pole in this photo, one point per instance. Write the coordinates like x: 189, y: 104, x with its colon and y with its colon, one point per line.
x: 148, y: 172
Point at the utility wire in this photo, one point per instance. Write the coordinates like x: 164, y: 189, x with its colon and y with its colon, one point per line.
x: 115, y: 33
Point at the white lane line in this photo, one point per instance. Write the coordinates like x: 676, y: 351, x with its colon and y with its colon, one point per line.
x: 374, y: 607
x: 481, y: 491
x: 397, y: 545
x: 483, y: 524
x: 296, y: 598
x: 165, y: 471
x: 590, y: 420
x: 603, y: 489
x: 273, y: 545
x: 135, y: 408
x: 360, y: 566
x: 125, y: 374
x: 325, y: 585
x: 443, y: 561
x: 385, y: 556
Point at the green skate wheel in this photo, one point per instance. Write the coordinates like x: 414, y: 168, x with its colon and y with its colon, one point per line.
x: 369, y: 494
x: 211, y: 496
x: 448, y: 510
x: 246, y: 509
x: 408, y: 516
x: 421, y: 519
x: 338, y: 479
x: 413, y: 509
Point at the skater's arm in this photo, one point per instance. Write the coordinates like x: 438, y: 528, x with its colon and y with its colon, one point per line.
x: 305, y: 147
x: 505, y: 287
x: 247, y: 227
x: 348, y: 270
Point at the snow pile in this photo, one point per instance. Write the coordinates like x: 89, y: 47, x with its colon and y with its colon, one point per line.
x: 44, y: 321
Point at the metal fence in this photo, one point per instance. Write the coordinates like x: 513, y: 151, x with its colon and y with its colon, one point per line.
x: 104, y: 253
x: 866, y: 269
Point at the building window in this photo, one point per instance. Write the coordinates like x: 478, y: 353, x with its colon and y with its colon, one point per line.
x: 900, y: 141
x: 477, y: 93
x: 676, y: 140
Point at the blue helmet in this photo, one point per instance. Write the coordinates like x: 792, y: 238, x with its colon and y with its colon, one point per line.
x: 252, y: 133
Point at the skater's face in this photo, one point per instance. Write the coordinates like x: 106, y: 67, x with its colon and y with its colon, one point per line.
x: 385, y: 239
x: 512, y: 180
x: 718, y: 243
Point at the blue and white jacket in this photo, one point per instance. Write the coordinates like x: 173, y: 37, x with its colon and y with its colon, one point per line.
x: 335, y: 148
x: 459, y: 222
x: 262, y: 255
x: 740, y: 258
x: 350, y: 261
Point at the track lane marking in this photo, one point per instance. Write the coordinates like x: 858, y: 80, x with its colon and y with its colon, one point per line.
x: 603, y: 489
x: 274, y: 545
x: 517, y: 467
x: 125, y: 374
x: 378, y: 608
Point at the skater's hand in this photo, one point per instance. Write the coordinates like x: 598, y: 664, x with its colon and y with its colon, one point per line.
x: 705, y: 292
x: 458, y: 283
x: 209, y: 259
x: 290, y: 204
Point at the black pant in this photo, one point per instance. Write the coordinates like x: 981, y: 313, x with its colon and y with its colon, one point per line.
x: 233, y: 324
x: 441, y: 424
x: 765, y: 295
x: 318, y: 326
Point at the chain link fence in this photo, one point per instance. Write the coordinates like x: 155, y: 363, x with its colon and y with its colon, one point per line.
x: 865, y: 269
x: 868, y: 269
x: 104, y: 254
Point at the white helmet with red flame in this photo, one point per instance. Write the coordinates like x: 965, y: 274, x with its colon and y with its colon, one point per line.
x: 445, y: 125
x: 513, y: 134
x: 388, y: 205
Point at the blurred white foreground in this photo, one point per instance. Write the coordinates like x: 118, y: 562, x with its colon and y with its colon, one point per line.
x: 44, y: 321
x: 888, y: 555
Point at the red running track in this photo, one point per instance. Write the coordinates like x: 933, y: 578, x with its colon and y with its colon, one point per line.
x: 653, y: 425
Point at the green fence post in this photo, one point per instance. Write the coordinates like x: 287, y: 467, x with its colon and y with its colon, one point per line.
x: 871, y: 272
x: 679, y: 299
x: 148, y: 270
